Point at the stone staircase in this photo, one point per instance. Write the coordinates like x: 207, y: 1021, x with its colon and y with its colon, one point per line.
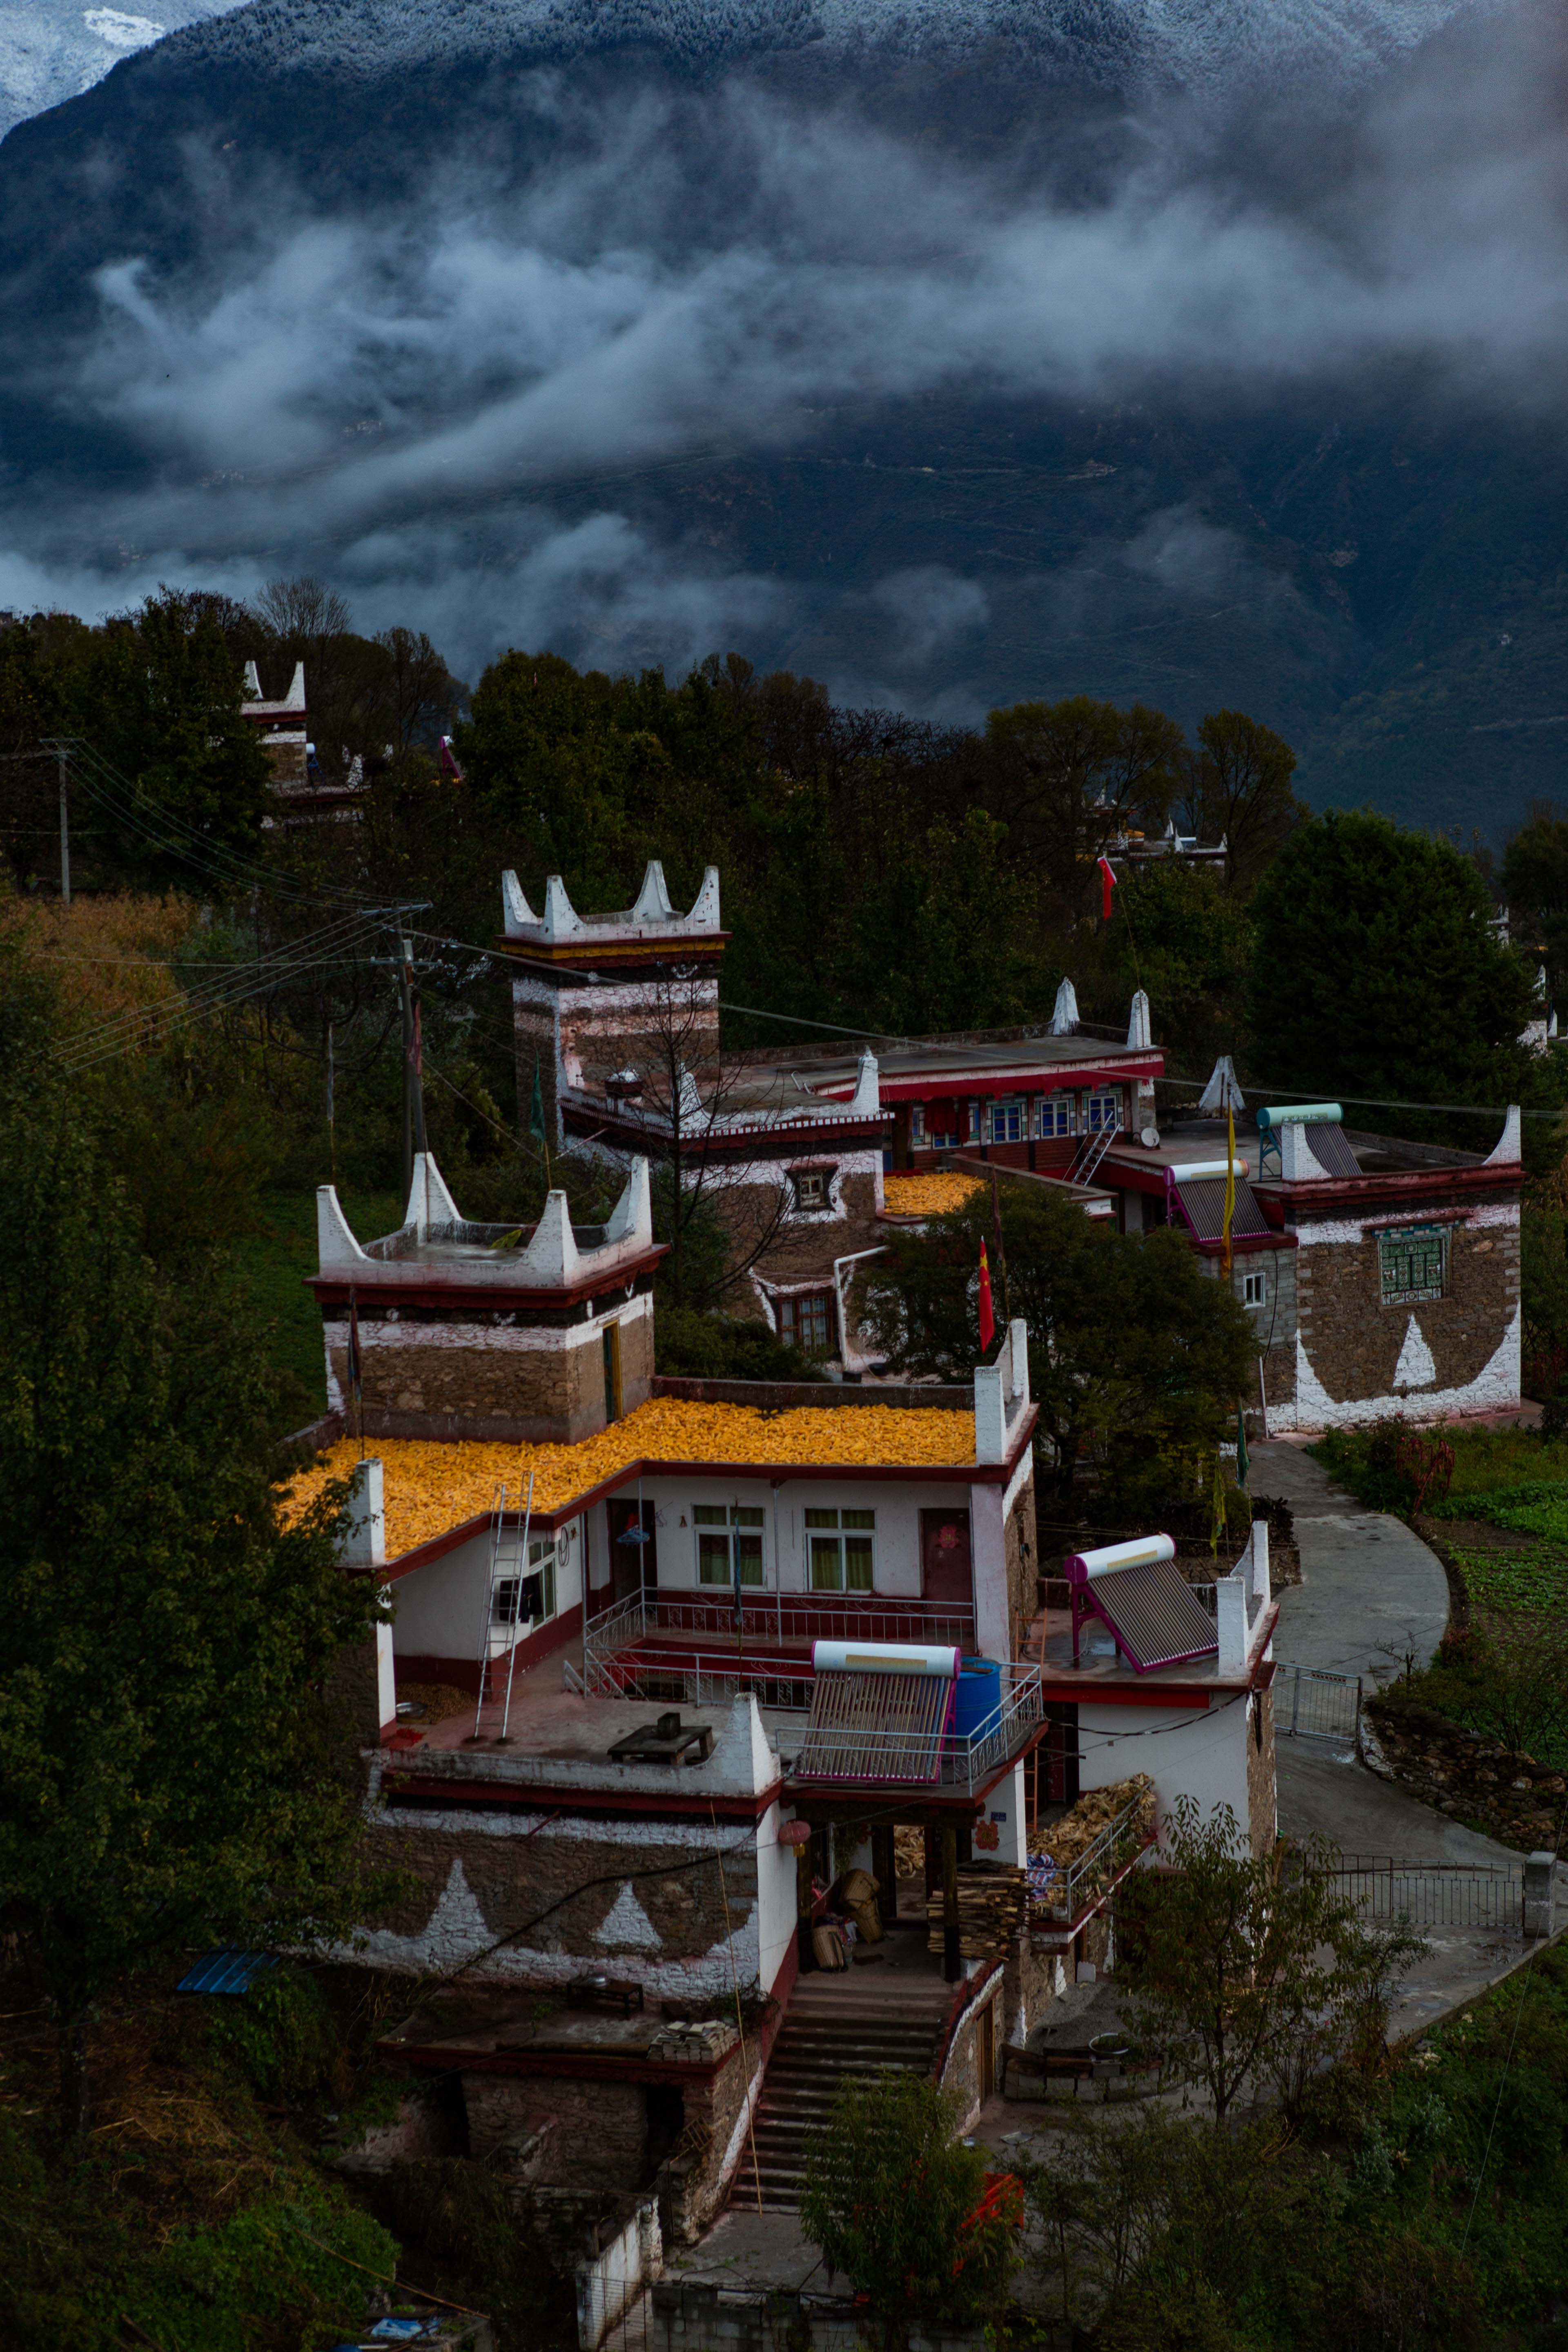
x: 836, y: 2025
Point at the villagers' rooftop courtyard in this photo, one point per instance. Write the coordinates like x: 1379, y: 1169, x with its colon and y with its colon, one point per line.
x: 432, y: 1486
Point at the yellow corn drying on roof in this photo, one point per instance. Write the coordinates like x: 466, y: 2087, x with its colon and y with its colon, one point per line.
x: 930, y: 1195
x: 430, y: 1486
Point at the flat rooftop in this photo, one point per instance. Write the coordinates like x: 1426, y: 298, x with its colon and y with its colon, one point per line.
x: 431, y: 1485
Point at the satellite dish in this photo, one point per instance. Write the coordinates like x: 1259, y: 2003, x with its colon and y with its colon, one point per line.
x: 1149, y: 1137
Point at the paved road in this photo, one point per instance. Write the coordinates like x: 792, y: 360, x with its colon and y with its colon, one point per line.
x: 1371, y: 1593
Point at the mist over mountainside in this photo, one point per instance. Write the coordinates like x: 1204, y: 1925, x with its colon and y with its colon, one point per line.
x: 1205, y: 353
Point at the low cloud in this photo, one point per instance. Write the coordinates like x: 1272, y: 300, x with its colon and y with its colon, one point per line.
x: 450, y: 414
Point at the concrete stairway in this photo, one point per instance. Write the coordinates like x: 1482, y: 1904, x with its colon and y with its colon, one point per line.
x: 836, y: 2025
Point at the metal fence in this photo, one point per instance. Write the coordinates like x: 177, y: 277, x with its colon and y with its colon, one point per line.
x: 1434, y: 1893
x: 1311, y: 1705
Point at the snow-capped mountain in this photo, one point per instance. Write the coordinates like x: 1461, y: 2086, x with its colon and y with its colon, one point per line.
x: 52, y: 49
x: 1201, y: 351
x: 1193, y: 43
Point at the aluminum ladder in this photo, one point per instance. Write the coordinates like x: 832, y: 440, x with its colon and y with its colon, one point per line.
x: 509, y: 1560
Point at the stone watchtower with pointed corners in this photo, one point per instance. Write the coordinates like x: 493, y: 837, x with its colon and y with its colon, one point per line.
x: 282, y: 727
x: 588, y: 990
x: 523, y: 1333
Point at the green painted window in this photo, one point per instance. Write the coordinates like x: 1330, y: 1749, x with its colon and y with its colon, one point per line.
x: 1413, y: 1263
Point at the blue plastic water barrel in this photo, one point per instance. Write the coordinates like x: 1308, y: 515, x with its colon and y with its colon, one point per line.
x: 977, y: 1707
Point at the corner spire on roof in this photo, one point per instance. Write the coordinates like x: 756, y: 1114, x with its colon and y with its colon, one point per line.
x: 1064, y: 1016
x: 1509, y: 1150
x: 1223, y: 1091
x: 1139, y: 1033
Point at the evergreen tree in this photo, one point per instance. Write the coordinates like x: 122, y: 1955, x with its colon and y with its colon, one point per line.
x: 1379, y: 972
x: 171, y: 1770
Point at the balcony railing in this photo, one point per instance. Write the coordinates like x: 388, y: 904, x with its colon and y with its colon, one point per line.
x: 867, y: 1759
x: 688, y: 1649
x: 1074, y: 1891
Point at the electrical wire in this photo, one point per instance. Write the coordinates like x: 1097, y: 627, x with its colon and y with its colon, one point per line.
x: 125, y: 800
x: 226, y: 980
x: 150, y: 1024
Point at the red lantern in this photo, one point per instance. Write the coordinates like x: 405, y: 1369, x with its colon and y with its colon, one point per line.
x: 794, y: 1833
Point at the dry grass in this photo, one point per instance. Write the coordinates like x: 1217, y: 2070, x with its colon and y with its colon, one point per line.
x: 105, y: 956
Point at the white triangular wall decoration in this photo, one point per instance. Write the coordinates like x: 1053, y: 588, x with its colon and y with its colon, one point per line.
x: 628, y: 1927
x: 1415, y: 1369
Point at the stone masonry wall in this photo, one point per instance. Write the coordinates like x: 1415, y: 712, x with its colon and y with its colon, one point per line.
x: 601, y: 2135
x: 645, y: 1900
x: 1022, y: 1558
x: 546, y: 1379
x: 1352, y: 1340
x: 803, y: 1250
x: 1262, y: 1804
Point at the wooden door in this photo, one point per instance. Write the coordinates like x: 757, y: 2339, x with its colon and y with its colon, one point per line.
x: 634, y: 1567
x: 946, y: 1573
x: 985, y: 2051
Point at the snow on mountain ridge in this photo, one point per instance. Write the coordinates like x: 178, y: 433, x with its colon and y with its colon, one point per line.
x: 1196, y: 43
x: 51, y: 50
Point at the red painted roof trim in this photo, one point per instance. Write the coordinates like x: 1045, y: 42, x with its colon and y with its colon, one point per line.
x: 590, y: 1803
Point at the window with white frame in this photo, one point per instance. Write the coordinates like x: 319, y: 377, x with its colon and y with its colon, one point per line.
x: 1252, y: 1289
x: 530, y: 1599
x: 1055, y: 1115
x: 1100, y: 1112
x: 729, y: 1537
x: 916, y: 1127
x: 808, y: 1322
x: 1007, y: 1119
x: 970, y: 1124
x: 812, y: 1188
x: 839, y: 1551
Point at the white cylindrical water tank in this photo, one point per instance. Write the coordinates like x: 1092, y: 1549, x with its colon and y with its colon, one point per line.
x: 883, y: 1658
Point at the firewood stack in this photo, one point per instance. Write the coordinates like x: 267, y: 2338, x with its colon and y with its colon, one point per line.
x: 993, y: 1898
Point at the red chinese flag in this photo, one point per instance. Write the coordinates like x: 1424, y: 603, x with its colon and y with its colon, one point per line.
x: 1107, y: 885
x: 987, y: 1314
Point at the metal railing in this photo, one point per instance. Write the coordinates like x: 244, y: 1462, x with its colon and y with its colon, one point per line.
x: 622, y: 1655
x: 1074, y: 1890
x: 1434, y: 1893
x: 1310, y: 1703
x: 963, y: 1761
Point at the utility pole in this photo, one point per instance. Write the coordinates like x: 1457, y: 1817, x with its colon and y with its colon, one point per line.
x: 331, y: 1121
x: 412, y: 1069
x: 65, y: 834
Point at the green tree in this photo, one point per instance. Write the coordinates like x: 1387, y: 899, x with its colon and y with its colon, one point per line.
x: 171, y: 1770
x: 1177, y: 934
x: 1379, y: 972
x: 156, y: 693
x: 1535, y: 890
x: 1261, y: 1973
x: 1236, y: 789
x: 897, y: 2201
x: 1064, y: 777
x: 1136, y: 1356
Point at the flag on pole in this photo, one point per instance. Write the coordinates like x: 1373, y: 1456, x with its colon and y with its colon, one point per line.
x: 1242, y: 1464
x: 987, y: 1312
x: 1107, y: 885
x: 1229, y: 1187
x: 536, y: 1109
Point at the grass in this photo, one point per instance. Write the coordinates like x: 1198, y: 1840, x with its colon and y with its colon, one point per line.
x: 274, y: 1266
x: 1489, y: 1465
x: 1514, y: 1580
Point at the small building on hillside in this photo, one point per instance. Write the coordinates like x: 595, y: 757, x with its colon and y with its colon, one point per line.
x: 1381, y: 1275
x: 669, y: 1664
x: 616, y: 1025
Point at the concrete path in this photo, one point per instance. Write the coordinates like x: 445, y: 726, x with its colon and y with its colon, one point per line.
x: 1371, y: 1593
